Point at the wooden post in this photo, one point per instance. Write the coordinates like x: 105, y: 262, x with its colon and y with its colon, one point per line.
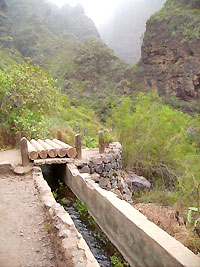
x: 18, y: 137
x: 101, y: 142
x: 59, y: 135
x: 24, y: 152
x: 78, y: 145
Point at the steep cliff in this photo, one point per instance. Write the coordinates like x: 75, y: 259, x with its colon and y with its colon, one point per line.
x: 171, y: 50
x: 124, y: 30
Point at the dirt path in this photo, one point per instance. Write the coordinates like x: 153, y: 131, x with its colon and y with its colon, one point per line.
x: 12, y: 156
x: 24, y: 237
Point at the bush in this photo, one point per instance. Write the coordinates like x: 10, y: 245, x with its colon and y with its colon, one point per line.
x: 158, y: 142
x: 27, y: 96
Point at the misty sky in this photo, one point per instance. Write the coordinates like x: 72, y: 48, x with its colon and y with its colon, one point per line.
x: 97, y: 10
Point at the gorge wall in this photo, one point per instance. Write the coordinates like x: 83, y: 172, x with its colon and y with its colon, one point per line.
x: 171, y: 50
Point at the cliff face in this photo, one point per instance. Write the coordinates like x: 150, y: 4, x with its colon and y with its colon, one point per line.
x: 123, y: 32
x: 171, y: 50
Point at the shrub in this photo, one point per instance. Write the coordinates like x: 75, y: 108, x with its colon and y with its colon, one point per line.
x: 158, y: 142
x: 27, y: 95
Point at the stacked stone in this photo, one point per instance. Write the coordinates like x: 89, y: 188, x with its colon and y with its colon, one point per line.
x: 107, y: 171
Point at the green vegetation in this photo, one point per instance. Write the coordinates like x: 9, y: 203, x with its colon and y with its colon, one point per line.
x: 117, y: 262
x: 30, y: 102
x: 182, y: 17
x: 159, y: 143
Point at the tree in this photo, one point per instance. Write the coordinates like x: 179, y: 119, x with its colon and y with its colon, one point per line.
x: 27, y: 95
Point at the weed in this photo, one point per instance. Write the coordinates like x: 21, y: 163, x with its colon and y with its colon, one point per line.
x: 116, y: 261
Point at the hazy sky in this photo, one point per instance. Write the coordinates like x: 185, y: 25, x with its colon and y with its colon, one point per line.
x: 97, y: 10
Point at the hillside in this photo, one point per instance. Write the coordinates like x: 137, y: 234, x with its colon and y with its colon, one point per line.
x: 123, y: 32
x: 171, y: 50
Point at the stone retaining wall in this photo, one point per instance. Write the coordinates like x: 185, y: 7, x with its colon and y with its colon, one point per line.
x: 70, y: 247
x: 140, y: 241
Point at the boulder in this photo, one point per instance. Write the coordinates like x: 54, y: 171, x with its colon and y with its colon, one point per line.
x: 139, y: 182
x: 100, y: 168
x: 104, y: 182
x: 85, y: 169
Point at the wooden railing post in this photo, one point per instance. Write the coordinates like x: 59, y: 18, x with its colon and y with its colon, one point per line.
x: 18, y: 137
x: 24, y: 152
x: 59, y: 135
x: 78, y: 145
x: 101, y: 142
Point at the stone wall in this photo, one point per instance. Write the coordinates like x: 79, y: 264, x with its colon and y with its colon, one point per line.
x: 70, y: 247
x: 140, y: 241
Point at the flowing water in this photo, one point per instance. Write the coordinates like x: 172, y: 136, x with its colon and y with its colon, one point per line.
x: 102, y: 249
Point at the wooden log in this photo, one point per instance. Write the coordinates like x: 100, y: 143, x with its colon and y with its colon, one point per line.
x: 59, y: 135
x: 32, y: 151
x: 18, y: 138
x: 51, y: 151
x: 24, y: 152
x: 101, y: 142
x: 71, y: 152
x: 40, y: 149
x: 78, y: 145
x: 61, y: 151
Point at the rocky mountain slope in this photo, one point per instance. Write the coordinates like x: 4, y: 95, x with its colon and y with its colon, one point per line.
x: 124, y: 31
x: 171, y: 50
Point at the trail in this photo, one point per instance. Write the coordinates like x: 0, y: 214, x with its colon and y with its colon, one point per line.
x: 24, y: 231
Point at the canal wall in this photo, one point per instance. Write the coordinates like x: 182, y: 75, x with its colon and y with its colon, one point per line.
x: 141, y: 242
x: 70, y: 248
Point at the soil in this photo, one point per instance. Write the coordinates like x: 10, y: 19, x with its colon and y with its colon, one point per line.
x: 170, y: 221
x: 12, y: 156
x: 24, y: 230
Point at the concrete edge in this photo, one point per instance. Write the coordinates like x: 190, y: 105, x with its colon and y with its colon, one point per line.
x: 69, y: 245
x: 162, y: 242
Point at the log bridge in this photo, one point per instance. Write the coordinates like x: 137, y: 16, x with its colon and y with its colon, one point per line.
x: 49, y: 151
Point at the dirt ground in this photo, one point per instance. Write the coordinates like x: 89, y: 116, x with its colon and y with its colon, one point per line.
x: 24, y: 237
x: 12, y: 156
x: 170, y: 221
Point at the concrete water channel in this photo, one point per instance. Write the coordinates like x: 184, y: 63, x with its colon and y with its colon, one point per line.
x: 141, y: 242
x: 103, y: 250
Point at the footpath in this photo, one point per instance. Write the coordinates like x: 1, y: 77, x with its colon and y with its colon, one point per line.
x: 24, y: 231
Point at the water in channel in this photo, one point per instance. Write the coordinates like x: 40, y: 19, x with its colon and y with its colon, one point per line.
x: 102, y: 249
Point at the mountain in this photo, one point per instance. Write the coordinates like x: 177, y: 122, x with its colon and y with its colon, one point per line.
x: 66, y: 43
x: 123, y: 32
x: 171, y: 50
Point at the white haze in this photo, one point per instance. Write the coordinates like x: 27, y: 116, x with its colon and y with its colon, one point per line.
x: 98, y: 10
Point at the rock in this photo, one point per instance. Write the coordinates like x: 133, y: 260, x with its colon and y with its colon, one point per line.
x: 63, y: 234
x: 115, y: 145
x: 137, y: 181
x: 114, y: 183
x: 127, y: 197
x: 5, y: 167
x: 85, y: 169
x: 92, y: 170
x: 117, y: 192
x: 107, y: 167
x: 107, y: 158
x: 23, y: 170
x: 36, y: 169
x: 94, y: 161
x: 100, y: 168
x: 104, y: 182
x: 114, y: 165
x: 95, y: 177
x: 80, y: 164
